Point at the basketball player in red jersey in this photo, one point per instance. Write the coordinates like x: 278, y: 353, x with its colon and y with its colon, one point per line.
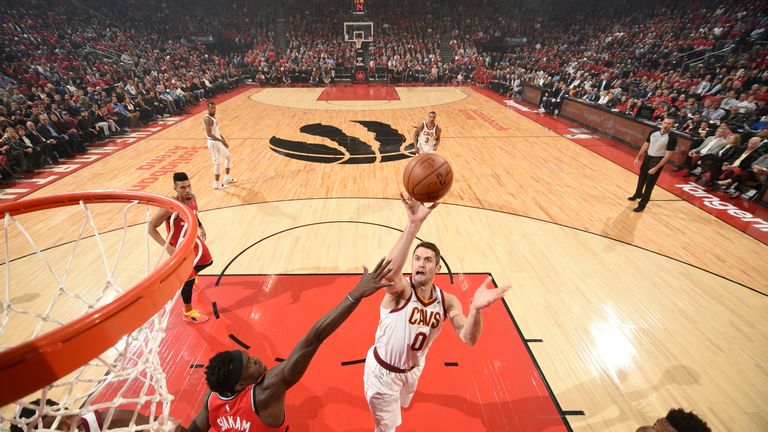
x: 174, y: 226
x: 427, y: 136
x: 412, y: 314
x: 246, y: 396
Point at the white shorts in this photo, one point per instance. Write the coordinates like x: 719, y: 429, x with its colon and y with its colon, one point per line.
x: 425, y: 148
x: 218, y: 152
x: 387, y: 391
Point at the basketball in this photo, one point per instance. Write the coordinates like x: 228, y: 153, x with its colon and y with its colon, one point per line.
x: 428, y: 177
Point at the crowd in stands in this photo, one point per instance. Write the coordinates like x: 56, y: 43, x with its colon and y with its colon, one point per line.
x: 405, y: 47
x: 636, y: 62
x: 631, y: 61
x: 70, y: 78
x: 96, y: 69
x: 242, y: 22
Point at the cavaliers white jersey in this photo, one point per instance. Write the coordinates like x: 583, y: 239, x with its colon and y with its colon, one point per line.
x: 405, y: 333
x: 427, y: 139
x: 215, y: 127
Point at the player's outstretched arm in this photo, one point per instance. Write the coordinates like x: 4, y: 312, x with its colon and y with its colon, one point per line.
x: 470, y: 327
x: 292, y: 369
x: 417, y: 214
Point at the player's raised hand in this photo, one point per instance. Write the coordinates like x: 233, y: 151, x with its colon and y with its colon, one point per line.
x: 417, y: 211
x: 371, y: 282
x: 485, y: 295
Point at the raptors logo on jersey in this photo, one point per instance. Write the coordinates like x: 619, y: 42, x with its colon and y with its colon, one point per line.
x: 405, y: 333
x: 427, y: 138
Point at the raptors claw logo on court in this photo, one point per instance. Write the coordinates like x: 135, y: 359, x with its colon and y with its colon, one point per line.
x: 350, y: 150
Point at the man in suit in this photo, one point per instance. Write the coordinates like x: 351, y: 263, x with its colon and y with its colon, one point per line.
x: 604, y: 84
x: 58, y: 141
x: 552, y: 101
x: 86, y: 127
x: 742, y: 163
x: 711, y: 145
x: 593, y: 96
x: 757, y: 173
x: 68, y: 127
x: 37, y: 140
x: 712, y: 164
x: 558, y: 102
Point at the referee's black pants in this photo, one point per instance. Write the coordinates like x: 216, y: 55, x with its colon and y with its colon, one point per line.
x: 646, y: 181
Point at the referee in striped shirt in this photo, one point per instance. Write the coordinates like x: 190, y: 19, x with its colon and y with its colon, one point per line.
x: 657, y: 148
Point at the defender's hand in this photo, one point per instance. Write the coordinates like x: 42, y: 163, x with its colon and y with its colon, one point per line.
x: 372, y: 282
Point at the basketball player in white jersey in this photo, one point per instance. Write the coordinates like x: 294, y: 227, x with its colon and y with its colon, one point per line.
x: 412, y: 314
x: 427, y: 136
x: 218, y: 147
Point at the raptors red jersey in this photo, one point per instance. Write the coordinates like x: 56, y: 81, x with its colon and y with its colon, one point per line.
x: 405, y: 333
x: 237, y: 413
x: 178, y: 224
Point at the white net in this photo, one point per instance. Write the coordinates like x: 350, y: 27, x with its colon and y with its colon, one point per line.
x: 124, y: 387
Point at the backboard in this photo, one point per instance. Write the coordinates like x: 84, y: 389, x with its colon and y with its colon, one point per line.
x: 362, y: 30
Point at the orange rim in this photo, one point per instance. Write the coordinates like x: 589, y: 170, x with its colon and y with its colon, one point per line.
x: 32, y: 365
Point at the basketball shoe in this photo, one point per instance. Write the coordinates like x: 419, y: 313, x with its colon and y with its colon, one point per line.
x: 194, y: 316
x: 218, y: 185
x: 229, y: 179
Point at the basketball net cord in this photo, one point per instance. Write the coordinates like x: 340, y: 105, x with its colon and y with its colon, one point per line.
x: 127, y: 376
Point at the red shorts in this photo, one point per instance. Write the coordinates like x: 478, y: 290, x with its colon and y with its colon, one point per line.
x: 202, y: 257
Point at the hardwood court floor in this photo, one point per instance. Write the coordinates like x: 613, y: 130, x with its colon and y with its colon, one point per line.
x: 638, y: 312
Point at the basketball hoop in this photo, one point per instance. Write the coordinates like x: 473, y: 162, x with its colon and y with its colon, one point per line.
x: 358, y: 42
x: 119, y: 328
